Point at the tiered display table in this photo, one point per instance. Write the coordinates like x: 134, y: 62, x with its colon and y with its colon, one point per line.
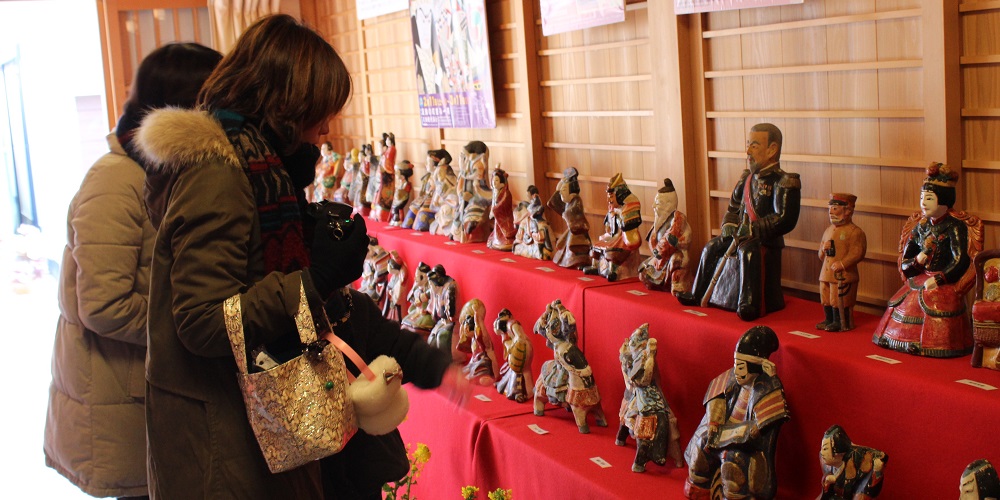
x: 932, y: 416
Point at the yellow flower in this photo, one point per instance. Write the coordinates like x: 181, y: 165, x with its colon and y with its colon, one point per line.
x: 469, y: 492
x: 422, y: 454
x: 501, y: 494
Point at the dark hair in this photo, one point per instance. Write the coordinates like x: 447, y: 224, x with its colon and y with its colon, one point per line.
x: 440, y: 154
x: 171, y: 75
x: 476, y: 147
x: 328, y: 144
x: 838, y: 438
x: 773, y: 135
x: 282, y: 74
x: 946, y: 195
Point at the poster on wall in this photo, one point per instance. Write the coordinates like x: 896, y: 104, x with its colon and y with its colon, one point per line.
x: 368, y: 9
x: 560, y: 16
x: 695, y: 6
x: 451, y: 44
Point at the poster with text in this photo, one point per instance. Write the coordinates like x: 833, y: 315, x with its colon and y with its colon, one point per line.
x: 695, y: 6
x: 451, y: 45
x: 368, y: 9
x: 560, y: 16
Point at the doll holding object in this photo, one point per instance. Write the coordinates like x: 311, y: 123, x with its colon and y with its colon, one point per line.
x: 472, y: 223
x: 350, y: 168
x: 401, y: 196
x: 382, y: 188
x: 359, y: 184
x: 515, y: 374
x: 843, y: 247
x: 502, y: 213
x: 572, y: 248
x: 615, y: 255
x: 849, y: 471
x: 393, y: 302
x: 424, y: 210
x: 419, y: 318
x: 668, y: 239
x: 443, y: 297
x: 533, y: 239
x: 645, y: 414
x: 375, y: 274
x: 473, y: 338
x: 927, y: 316
x: 328, y: 174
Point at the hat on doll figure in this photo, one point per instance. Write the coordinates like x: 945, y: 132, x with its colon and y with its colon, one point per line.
x: 843, y: 199
x: 756, y: 346
x: 941, y: 180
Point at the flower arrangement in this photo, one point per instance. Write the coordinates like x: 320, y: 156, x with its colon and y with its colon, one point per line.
x: 472, y: 493
x: 418, y: 458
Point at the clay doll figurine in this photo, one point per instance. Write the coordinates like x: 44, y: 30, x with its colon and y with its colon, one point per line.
x: 433, y: 184
x: 502, y: 213
x: 843, y: 246
x: 375, y: 274
x: 446, y: 213
x: 328, y: 174
x: 359, y: 185
x: 979, y: 482
x: 534, y: 238
x: 615, y: 255
x: 572, y: 247
x: 392, y: 308
x: 581, y: 395
x: 421, y: 199
x: 382, y: 188
x: 401, y: 197
x: 744, y: 409
x: 644, y: 414
x: 443, y: 296
x: 927, y: 316
x: 472, y: 223
x: 515, y: 374
x: 351, y: 167
x: 986, y: 311
x: 482, y: 368
x: 667, y: 268
x: 419, y: 317
x: 850, y: 472
x: 740, y: 270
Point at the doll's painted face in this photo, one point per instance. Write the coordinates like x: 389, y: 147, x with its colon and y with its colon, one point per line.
x: 968, y: 489
x: 743, y: 375
x: 826, y: 453
x: 929, y: 204
x: 664, y: 204
x: 759, y: 152
x: 840, y: 214
x: 498, y: 182
x: 325, y: 151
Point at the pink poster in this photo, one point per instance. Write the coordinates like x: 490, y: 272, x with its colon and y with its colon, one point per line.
x: 694, y: 6
x: 560, y: 16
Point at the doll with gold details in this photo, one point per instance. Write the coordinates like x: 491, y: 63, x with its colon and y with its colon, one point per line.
x: 615, y: 254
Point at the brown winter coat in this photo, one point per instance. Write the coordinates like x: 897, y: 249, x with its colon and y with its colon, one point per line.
x: 208, y: 248
x: 95, y: 429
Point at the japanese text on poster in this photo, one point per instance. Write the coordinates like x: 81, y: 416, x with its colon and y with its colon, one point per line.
x: 560, y: 16
x: 694, y: 6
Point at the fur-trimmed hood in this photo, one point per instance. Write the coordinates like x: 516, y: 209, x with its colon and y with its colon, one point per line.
x: 171, y: 139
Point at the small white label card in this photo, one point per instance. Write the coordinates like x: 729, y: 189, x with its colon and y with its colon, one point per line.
x: 416, y: 233
x: 883, y: 359
x: 451, y: 243
x: 977, y: 385
x: 537, y: 430
x: 545, y: 269
x: 804, y: 334
x: 390, y: 228
x: 638, y: 293
x: 507, y: 259
x: 484, y: 398
x: 602, y: 463
x: 479, y: 251
x: 696, y: 313
x: 585, y: 278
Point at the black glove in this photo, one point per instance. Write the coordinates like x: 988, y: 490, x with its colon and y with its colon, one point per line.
x: 337, y: 263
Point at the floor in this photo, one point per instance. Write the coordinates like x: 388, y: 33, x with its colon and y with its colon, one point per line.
x: 29, y: 308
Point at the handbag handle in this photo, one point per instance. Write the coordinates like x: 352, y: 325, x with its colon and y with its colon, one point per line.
x: 347, y: 350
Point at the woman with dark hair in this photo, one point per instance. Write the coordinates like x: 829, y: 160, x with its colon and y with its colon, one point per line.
x: 231, y: 198
x: 95, y: 431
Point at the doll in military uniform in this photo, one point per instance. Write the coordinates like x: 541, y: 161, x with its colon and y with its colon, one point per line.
x: 843, y: 246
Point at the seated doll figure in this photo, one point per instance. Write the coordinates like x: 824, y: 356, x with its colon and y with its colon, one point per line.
x: 351, y: 167
x: 615, y: 254
x: 401, y: 197
x: 740, y: 270
x: 445, y: 217
x: 843, y: 246
x: 534, y: 238
x: 515, y: 374
x: 744, y: 409
x: 572, y: 247
x: 667, y: 268
x: 392, y: 308
x: 359, y: 185
x: 424, y: 208
x: 421, y: 199
x: 382, y: 185
x: 472, y: 223
x: 927, y: 316
x: 850, y: 472
x: 375, y: 274
x: 581, y: 395
x: 419, y: 315
x: 481, y: 367
x: 645, y: 415
x: 979, y: 482
x: 986, y: 311
x: 443, y: 297
x: 502, y: 213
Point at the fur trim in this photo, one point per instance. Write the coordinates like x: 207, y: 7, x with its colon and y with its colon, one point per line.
x: 173, y: 138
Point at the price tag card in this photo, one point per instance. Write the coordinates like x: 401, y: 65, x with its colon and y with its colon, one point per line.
x: 416, y: 233
x: 479, y: 251
x: 390, y: 228
x: 804, y: 334
x: 602, y: 463
x: 585, y: 278
x: 977, y: 385
x: 638, y: 293
x: 884, y: 359
x: 537, y: 430
x: 451, y: 243
x: 545, y: 269
x: 507, y: 259
x: 696, y: 313
x: 484, y: 398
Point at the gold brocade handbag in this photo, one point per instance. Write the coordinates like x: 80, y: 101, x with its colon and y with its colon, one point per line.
x: 299, y: 410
